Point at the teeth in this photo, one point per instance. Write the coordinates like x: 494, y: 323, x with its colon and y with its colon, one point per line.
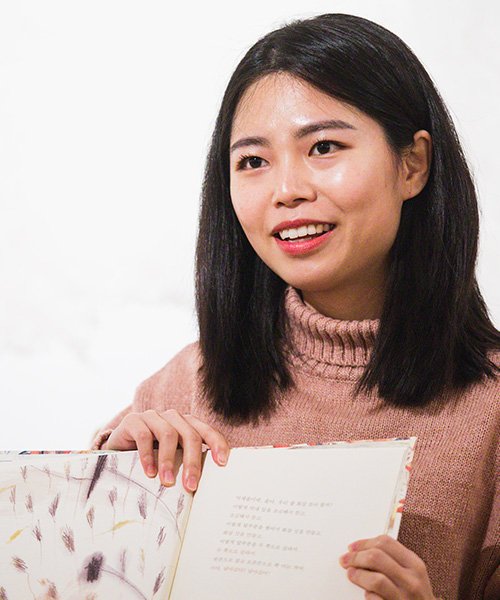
x: 304, y: 231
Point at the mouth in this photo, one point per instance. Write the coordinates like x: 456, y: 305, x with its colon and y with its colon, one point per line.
x: 305, y: 239
x: 303, y: 232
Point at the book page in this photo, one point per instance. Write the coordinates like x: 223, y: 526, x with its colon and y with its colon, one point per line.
x: 273, y: 522
x: 87, y: 525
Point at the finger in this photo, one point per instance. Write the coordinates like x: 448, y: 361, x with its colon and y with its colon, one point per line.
x: 375, y: 559
x: 168, y: 438
x: 402, y: 555
x: 135, y: 428
x: 372, y: 596
x: 191, y: 441
x: 374, y: 582
x: 214, y: 439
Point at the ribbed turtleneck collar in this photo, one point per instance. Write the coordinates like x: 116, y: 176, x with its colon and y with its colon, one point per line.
x: 318, y: 339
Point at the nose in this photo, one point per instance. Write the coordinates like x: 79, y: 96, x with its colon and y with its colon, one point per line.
x: 292, y: 184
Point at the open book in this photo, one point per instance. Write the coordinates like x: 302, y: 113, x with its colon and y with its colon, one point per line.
x: 271, y: 524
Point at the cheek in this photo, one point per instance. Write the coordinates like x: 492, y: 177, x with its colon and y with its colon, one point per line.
x: 355, y: 184
x: 366, y: 199
x: 366, y: 191
x: 248, y: 210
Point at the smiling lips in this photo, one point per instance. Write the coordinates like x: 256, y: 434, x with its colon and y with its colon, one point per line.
x: 302, y: 236
x: 304, y: 231
x: 298, y: 223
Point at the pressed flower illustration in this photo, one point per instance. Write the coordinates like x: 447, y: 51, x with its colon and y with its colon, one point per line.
x: 159, y: 494
x: 49, y: 590
x: 142, y: 503
x: 37, y: 534
x: 161, y: 536
x: 159, y: 581
x: 112, y: 497
x: 28, y: 503
x: 93, y: 507
x: 113, y: 463
x: 90, y: 519
x: 68, y: 538
x: 54, y: 505
x: 94, y: 568
x: 15, y: 535
x: 123, y: 561
x: 135, y: 458
x: 142, y: 561
x: 83, y: 468
x: 12, y: 498
x: 101, y: 461
x: 21, y: 567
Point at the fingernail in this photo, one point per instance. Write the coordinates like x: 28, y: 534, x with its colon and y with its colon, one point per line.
x: 222, y: 457
x: 191, y: 483
x: 344, y: 559
x: 352, y: 546
x: 168, y: 477
x: 150, y: 470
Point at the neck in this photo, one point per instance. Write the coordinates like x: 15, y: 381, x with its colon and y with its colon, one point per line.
x: 327, y: 345
x: 355, y: 304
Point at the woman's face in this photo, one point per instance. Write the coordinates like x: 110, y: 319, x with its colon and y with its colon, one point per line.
x: 301, y: 176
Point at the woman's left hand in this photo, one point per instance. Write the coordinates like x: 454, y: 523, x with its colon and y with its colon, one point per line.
x: 387, y: 570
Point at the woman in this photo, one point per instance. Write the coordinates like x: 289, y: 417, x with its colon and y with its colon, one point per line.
x: 337, y: 298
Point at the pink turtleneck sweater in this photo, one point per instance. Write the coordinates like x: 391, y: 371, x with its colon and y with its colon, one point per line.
x: 452, y: 511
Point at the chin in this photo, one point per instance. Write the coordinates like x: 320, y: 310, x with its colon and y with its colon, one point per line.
x: 313, y: 282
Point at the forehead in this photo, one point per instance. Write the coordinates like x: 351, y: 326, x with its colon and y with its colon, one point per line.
x: 280, y: 98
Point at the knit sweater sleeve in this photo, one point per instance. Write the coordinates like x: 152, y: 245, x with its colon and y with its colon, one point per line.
x: 486, y: 580
x: 489, y: 558
x: 173, y: 386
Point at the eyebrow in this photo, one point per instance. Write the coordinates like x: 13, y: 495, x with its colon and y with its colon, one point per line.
x: 298, y: 134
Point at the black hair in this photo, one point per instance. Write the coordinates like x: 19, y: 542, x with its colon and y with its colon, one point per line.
x: 434, y: 327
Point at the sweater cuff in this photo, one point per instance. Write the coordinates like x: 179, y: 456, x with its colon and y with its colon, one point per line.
x: 100, y: 439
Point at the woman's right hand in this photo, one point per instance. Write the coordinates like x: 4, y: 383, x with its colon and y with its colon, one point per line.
x: 170, y: 429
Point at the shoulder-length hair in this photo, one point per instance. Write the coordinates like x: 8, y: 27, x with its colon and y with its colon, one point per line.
x: 434, y: 331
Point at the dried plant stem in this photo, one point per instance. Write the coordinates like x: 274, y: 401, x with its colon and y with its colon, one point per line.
x: 135, y: 458
x: 54, y: 505
x: 22, y: 567
x: 130, y: 481
x: 94, y: 568
x: 90, y: 520
x: 113, y: 496
x: 29, y: 586
x: 123, y: 561
x: 37, y: 533
x: 81, y: 479
x: 12, y: 498
x: 159, y: 581
x: 29, y: 503
x: 46, y: 470
x: 180, y: 508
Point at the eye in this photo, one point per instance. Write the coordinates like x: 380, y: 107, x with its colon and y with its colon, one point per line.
x: 254, y: 162
x: 248, y: 159
x: 324, y: 146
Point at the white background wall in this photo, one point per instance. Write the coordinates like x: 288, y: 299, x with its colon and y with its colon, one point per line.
x: 106, y: 109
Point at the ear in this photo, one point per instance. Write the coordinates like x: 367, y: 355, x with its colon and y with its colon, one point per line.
x: 417, y: 164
